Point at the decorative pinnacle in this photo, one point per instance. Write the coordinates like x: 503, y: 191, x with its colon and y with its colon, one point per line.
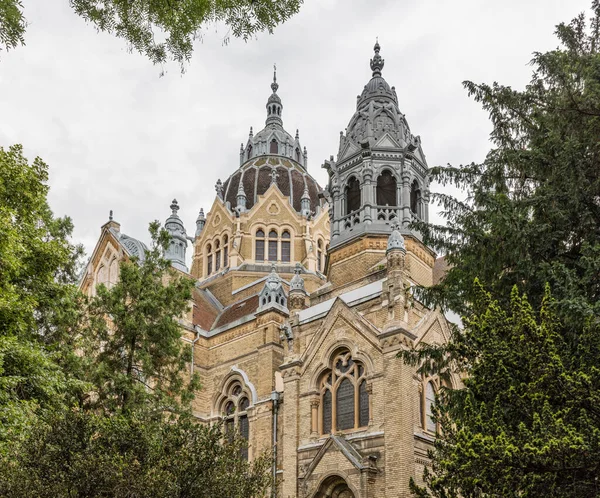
x: 274, y: 176
x: 110, y: 215
x: 201, y: 214
x: 377, y: 62
x: 297, y: 134
x: 219, y: 188
x: 251, y: 132
x: 174, y: 206
x: 274, y: 85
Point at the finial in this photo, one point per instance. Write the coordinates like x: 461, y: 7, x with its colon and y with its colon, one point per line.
x: 201, y: 214
x: 110, y: 215
x: 274, y: 85
x: 395, y: 240
x: 251, y: 132
x: 219, y: 188
x: 377, y: 62
x: 274, y: 176
x: 297, y: 134
x: 174, y: 206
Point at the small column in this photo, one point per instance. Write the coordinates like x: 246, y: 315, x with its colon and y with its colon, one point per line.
x: 405, y: 198
x: 367, y: 192
x: 314, y: 411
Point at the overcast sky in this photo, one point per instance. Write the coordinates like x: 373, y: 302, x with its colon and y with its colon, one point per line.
x: 118, y: 136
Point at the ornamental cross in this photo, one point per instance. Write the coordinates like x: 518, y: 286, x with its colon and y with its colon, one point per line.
x: 395, y: 225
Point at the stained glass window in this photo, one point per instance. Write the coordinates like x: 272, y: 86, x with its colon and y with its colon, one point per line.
x: 327, y: 407
x: 345, y: 405
x: 285, y: 247
x: 430, y: 424
x: 363, y: 405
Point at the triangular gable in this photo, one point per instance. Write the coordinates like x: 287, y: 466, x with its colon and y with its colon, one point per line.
x: 348, y: 150
x: 424, y: 330
x: 284, y: 202
x: 340, y: 311
x: 340, y: 444
x: 387, y: 142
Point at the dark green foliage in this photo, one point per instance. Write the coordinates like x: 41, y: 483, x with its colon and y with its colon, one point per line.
x: 92, y: 396
x: 177, y: 23
x: 38, y: 300
x: 82, y: 454
x: 133, y: 338
x: 527, y: 423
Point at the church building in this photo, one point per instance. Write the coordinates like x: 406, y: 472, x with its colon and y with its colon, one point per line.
x: 303, y: 300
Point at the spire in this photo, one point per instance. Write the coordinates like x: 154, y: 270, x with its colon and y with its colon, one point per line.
x: 274, y: 85
x: 305, y: 203
x: 176, y: 250
x: 274, y: 105
x: 297, y: 282
x: 241, y: 198
x: 395, y: 240
x: 376, y: 61
x: 110, y: 215
x: 200, y: 221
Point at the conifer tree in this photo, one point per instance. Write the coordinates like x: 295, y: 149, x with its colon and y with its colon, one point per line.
x: 527, y: 422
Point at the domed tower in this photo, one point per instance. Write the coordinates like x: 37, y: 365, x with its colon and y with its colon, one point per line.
x: 379, y: 178
x: 268, y: 212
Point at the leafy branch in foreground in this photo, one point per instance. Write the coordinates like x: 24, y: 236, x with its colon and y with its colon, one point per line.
x: 161, y: 30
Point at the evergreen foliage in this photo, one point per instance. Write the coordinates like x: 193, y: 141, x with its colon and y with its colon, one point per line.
x: 161, y: 30
x: 527, y: 422
x: 93, y: 399
x: 133, y: 337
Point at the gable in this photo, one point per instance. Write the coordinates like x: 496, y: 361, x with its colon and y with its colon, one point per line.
x: 348, y: 150
x: 387, y: 142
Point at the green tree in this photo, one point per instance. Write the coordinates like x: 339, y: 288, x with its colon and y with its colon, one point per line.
x: 133, y: 338
x: 84, y: 454
x: 527, y: 422
x: 38, y: 301
x: 161, y: 29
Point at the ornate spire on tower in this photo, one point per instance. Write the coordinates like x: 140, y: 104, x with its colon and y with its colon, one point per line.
x: 176, y: 250
x: 377, y: 62
x: 274, y: 105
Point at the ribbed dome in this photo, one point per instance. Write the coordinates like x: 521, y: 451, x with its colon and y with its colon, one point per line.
x: 377, y: 112
x: 256, y: 176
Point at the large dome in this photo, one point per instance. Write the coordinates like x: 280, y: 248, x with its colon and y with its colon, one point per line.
x: 272, y: 156
x: 256, y: 177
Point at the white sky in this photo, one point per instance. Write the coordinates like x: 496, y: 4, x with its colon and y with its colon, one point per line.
x: 118, y: 136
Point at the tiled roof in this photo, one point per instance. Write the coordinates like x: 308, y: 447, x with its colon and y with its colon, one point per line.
x: 204, y: 311
x: 440, y: 268
x: 237, y: 311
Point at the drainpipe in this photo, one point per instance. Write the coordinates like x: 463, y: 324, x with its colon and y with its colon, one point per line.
x: 275, y: 400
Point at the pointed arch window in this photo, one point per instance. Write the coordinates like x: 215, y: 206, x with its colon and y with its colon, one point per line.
x: 386, y: 189
x: 273, y: 245
x: 297, y: 154
x: 415, y: 198
x: 344, y: 403
x: 225, y: 251
x: 428, y: 404
x: 320, y: 264
x: 235, y: 414
x: 249, y: 151
x: 217, y: 255
x: 260, y: 245
x: 352, y: 195
x: 209, y: 259
x: 285, y: 247
x: 274, y: 147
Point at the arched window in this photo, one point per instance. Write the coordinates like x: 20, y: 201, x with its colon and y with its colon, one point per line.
x: 273, y: 245
x: 274, y: 148
x: 428, y: 402
x: 297, y: 154
x: 344, y: 395
x: 249, y: 151
x: 225, y: 251
x: 235, y: 414
x: 320, y: 264
x: 260, y: 245
x: 386, y: 189
x: 352, y: 195
x: 285, y: 247
x: 209, y: 259
x: 415, y: 198
x: 217, y: 255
